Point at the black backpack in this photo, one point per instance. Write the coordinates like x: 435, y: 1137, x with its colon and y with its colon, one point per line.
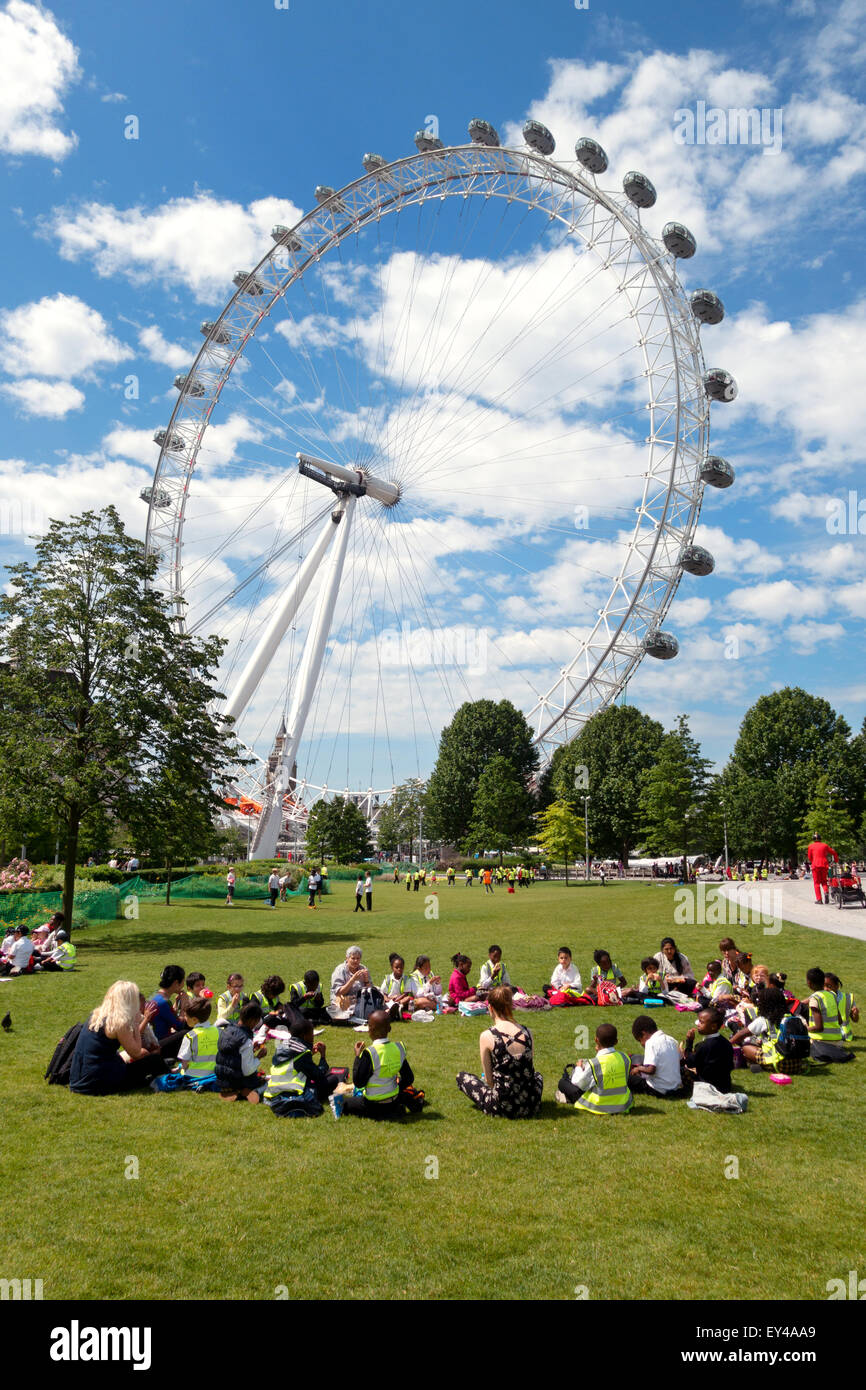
x: 367, y: 1003
x: 792, y: 1040
x: 61, y: 1062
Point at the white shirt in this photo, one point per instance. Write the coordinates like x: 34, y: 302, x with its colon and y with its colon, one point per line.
x: 21, y: 953
x: 392, y: 988
x: 566, y: 978
x: 359, y: 888
x: 368, y: 884
x: 274, y: 880
x: 758, y: 1027
x: 662, y: 1052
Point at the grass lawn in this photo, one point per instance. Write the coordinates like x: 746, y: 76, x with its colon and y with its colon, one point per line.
x: 231, y: 1202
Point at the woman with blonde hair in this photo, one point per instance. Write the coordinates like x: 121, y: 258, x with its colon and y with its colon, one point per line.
x: 98, y: 1068
x: 510, y: 1086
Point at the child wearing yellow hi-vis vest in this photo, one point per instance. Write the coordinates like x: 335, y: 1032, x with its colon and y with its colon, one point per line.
x: 300, y: 1081
x: 381, y: 1075
x: 600, y: 1086
x: 196, y: 1057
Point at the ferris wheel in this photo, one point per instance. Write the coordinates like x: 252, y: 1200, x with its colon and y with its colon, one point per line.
x: 448, y: 438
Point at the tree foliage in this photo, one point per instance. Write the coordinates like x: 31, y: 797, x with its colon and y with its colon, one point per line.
x: 611, y: 760
x: 100, y: 694
x: 479, y: 731
x: 674, y: 793
x: 338, y: 829
x: 501, y: 809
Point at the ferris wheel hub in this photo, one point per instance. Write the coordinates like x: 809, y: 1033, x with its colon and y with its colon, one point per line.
x: 357, y: 481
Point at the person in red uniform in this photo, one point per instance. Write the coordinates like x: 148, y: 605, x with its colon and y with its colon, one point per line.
x: 819, y: 856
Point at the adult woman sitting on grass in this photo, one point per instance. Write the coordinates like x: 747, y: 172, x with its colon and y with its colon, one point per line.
x: 347, y: 981
x: 511, y: 1086
x: 97, y: 1068
x: 166, y: 1020
x: 675, y: 967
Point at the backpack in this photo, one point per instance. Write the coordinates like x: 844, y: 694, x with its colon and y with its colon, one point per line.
x: 367, y: 1003
x: 792, y: 1039
x: 606, y: 992
x: 61, y: 1061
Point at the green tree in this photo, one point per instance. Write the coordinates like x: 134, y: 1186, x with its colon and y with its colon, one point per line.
x: 674, y: 793
x: 561, y: 833
x: 400, y: 820
x: 501, y: 809
x: 787, y: 741
x: 94, y: 679
x: 830, y: 820
x: 479, y: 731
x: 610, y: 759
x: 338, y: 828
x: 174, y: 818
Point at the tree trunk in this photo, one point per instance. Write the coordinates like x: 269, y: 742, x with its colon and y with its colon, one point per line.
x: 72, y: 825
x: 168, y: 885
x: 566, y: 870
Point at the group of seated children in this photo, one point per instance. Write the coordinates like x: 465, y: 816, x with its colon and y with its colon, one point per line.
x: 665, y: 979
x: 49, y: 948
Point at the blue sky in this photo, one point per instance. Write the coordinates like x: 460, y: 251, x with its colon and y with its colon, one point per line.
x: 116, y: 248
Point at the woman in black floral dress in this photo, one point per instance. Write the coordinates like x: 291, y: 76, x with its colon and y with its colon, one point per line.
x: 511, y: 1086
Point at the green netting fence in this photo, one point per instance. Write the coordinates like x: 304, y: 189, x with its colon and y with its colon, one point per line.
x: 253, y: 888
x: 92, y: 904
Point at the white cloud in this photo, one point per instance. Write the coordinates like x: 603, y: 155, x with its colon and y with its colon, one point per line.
x: 49, y: 399
x: 37, y: 64
x: 199, y: 242
x: 778, y: 601
x: 736, y: 555
x: 798, y: 374
x: 58, y: 336
x: 114, y: 96
x: 159, y: 349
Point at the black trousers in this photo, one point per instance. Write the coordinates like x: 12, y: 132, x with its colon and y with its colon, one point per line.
x: 359, y: 906
x: 374, y: 1109
x: 369, y: 902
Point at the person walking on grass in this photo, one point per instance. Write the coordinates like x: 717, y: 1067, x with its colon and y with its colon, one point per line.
x: 230, y: 888
x: 359, y: 893
x: 368, y: 890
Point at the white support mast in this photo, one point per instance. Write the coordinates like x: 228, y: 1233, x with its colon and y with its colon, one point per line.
x: 264, y: 844
x: 282, y: 617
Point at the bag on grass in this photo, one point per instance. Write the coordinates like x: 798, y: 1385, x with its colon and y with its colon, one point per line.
x: 606, y: 992
x: 61, y: 1061
x: 792, y: 1039
x: 367, y: 1003
x: 707, y: 1097
x: 830, y: 1052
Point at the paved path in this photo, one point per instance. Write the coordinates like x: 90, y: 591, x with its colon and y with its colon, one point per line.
x: 798, y: 905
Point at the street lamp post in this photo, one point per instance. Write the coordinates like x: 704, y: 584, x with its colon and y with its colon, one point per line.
x: 586, y: 835
x: 725, y: 823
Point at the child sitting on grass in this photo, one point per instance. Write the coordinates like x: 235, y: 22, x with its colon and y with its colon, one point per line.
x: 607, y: 984
x: 848, y: 1011
x: 306, y: 996
x: 565, y: 988
x: 398, y: 989
x: 459, y: 988
x: 600, y: 1086
x: 493, y: 972
x: 231, y: 1001
x: 652, y: 983
x: 428, y: 987
x: 196, y: 1057
x: 268, y: 997
x: 713, y: 1060
x: 300, y: 1082
x: 237, y: 1057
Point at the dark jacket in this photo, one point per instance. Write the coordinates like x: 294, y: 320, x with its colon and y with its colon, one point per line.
x: 229, y: 1073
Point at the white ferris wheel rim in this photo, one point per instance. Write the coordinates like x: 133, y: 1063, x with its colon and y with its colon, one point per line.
x: 673, y: 365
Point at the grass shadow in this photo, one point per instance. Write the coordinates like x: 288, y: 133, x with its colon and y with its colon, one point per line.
x: 196, y: 940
